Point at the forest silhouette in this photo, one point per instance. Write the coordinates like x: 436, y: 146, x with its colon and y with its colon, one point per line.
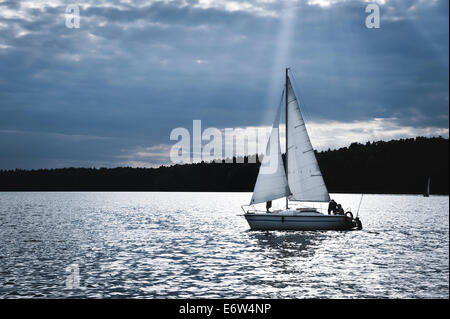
x: 394, y: 167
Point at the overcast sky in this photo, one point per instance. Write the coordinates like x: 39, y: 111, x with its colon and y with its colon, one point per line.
x: 110, y: 92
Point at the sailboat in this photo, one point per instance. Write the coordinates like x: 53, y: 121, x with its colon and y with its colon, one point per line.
x: 299, y: 180
x: 427, y: 193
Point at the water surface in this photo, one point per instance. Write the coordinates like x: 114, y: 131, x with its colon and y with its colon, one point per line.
x: 194, y: 245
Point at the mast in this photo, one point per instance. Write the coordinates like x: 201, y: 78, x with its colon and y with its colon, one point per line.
x: 286, y: 126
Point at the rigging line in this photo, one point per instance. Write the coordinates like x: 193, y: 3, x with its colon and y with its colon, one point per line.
x: 360, y: 201
x: 282, y: 97
x: 279, y: 105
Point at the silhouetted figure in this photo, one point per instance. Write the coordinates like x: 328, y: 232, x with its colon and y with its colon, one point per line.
x: 268, y: 205
x: 332, y: 207
x: 340, y: 210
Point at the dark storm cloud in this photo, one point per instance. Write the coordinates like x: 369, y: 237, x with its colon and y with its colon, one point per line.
x: 133, y: 72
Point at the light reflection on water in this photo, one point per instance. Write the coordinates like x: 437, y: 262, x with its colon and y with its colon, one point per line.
x: 174, y: 245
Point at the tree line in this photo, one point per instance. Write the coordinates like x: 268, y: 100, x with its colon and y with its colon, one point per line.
x: 395, y: 167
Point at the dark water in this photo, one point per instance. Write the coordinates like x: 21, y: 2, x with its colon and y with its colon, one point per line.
x: 172, y: 245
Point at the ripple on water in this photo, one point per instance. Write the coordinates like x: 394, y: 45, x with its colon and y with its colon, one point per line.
x: 176, y: 245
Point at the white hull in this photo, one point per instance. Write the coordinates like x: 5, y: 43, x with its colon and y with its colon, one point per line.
x: 293, y: 220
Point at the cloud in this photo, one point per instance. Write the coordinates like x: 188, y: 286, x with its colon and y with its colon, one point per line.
x: 323, y: 135
x: 335, y: 134
x: 136, y: 70
x: 151, y: 156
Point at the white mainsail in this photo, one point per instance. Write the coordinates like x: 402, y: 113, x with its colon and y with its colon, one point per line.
x: 305, y: 179
x: 271, y: 182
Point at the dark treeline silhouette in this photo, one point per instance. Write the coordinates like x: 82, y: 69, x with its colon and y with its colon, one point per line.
x: 398, y: 166
x: 395, y: 167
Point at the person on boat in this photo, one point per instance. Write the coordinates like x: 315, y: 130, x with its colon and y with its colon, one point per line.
x: 268, y: 206
x: 332, y: 207
x: 340, y: 210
